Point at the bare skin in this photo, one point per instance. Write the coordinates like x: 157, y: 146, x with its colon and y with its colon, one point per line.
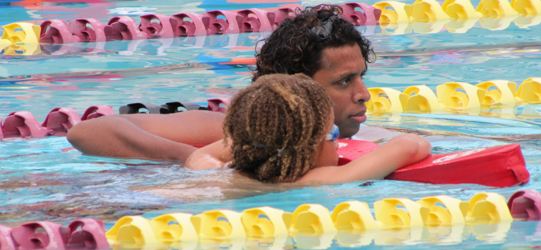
x: 341, y: 75
x: 406, y: 150
x: 147, y: 136
x: 399, y: 152
x: 172, y: 137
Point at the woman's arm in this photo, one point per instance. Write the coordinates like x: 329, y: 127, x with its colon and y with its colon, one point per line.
x: 214, y: 155
x: 399, y: 152
x: 147, y: 136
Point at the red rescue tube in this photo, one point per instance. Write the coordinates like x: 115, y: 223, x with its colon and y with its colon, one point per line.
x: 349, y: 150
x: 498, y: 166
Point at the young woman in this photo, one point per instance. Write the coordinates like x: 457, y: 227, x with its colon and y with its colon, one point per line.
x: 280, y: 129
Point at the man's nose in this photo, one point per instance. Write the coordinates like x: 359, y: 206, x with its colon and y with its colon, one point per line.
x: 360, y: 92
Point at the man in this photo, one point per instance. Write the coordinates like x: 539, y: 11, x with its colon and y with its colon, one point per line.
x: 316, y: 42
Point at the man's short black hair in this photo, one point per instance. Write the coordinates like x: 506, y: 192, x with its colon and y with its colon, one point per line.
x: 296, y: 45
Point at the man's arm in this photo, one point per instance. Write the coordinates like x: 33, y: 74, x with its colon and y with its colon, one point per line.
x: 147, y: 136
x: 399, y: 152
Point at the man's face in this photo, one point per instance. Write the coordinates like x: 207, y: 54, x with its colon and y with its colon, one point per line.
x: 341, y: 75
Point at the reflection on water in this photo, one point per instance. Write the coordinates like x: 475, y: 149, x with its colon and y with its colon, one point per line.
x: 158, y: 46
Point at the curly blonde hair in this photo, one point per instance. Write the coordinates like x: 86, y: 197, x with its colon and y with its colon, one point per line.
x: 276, y: 125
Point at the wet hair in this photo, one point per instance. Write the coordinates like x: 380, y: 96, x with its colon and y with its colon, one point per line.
x: 276, y: 125
x: 296, y: 46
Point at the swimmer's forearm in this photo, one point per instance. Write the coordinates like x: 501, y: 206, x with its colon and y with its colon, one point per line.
x: 399, y: 152
x: 114, y: 136
x: 196, y: 128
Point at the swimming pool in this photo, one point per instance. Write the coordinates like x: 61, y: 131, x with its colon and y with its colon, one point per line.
x: 43, y: 179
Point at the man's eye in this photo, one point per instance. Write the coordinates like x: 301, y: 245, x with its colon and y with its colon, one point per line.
x: 344, y: 82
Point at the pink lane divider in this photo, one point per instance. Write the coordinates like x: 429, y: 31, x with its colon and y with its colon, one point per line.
x: 255, y: 20
x: 281, y: 14
x: 6, y: 242
x: 60, y: 120
x: 97, y: 111
x: 188, y: 24
x: 124, y: 28
x: 369, y: 15
x: 161, y: 29
x: 221, y: 22
x: 22, y: 124
x: 40, y: 235
x: 525, y: 205
x: 219, y: 104
x: 56, y: 32
x: 80, y: 234
x: 87, y: 234
x: 80, y: 28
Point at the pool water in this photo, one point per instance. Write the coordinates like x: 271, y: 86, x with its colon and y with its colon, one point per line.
x: 45, y: 179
